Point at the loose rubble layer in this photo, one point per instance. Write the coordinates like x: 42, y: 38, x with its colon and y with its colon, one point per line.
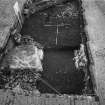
x: 21, y: 66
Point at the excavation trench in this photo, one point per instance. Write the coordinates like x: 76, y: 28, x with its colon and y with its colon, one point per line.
x: 60, y: 31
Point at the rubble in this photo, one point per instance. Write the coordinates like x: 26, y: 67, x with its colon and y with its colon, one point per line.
x: 80, y: 58
x: 24, y: 63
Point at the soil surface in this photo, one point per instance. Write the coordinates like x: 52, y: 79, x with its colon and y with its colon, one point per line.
x: 56, y: 26
x: 60, y: 72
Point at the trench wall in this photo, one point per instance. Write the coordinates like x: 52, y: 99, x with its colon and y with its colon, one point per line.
x: 94, y: 13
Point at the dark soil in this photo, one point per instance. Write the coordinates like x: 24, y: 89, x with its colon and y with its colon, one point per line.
x: 60, y: 72
x: 50, y: 28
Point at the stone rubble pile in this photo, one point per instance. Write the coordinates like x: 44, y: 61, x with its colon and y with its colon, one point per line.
x: 24, y: 63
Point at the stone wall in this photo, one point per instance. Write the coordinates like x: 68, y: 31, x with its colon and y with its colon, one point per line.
x: 95, y: 28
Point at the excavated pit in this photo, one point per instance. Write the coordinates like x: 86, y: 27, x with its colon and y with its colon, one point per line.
x: 60, y: 33
x: 60, y: 30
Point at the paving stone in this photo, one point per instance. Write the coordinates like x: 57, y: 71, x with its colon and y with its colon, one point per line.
x: 43, y: 100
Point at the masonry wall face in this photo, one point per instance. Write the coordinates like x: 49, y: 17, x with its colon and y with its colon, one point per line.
x: 95, y: 18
